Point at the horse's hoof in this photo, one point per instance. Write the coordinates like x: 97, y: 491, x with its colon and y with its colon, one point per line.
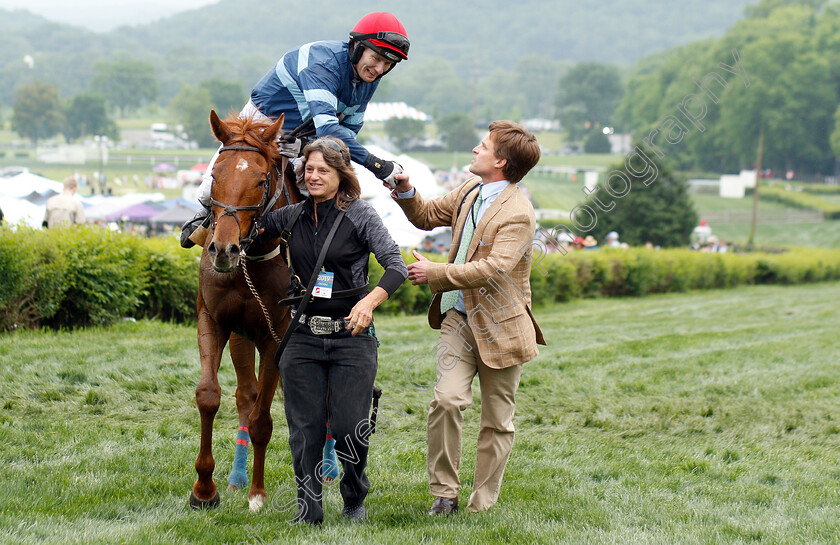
x: 256, y: 503
x: 237, y: 481
x: 212, y: 503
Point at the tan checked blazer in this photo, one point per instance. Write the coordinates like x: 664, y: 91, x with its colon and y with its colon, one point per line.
x: 496, y: 277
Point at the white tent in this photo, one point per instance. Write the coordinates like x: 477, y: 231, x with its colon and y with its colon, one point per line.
x: 402, y: 231
x: 420, y: 176
x: 13, y: 193
x: 25, y: 183
x: 101, y: 206
x: 16, y: 210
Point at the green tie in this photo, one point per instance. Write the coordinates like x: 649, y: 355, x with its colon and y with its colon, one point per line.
x: 449, y: 298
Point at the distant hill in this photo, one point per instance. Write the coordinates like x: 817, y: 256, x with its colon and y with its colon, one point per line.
x: 13, y: 21
x: 240, y: 39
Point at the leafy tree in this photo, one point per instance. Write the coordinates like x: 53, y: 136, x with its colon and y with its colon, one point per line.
x: 597, y: 142
x: 500, y: 96
x: 766, y: 7
x: 587, y: 96
x: 225, y: 96
x: 412, y: 82
x: 536, y: 77
x: 661, y: 212
x: 404, y: 130
x: 127, y: 84
x: 458, y: 132
x: 37, y: 111
x: 86, y: 115
x: 835, y: 135
x: 191, y: 108
x: 791, y: 56
x: 448, y: 96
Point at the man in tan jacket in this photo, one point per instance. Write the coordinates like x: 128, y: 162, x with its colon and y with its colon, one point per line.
x: 482, y: 305
x: 64, y: 209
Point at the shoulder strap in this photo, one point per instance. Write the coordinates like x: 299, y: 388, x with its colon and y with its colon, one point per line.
x: 305, y: 301
x: 287, y: 232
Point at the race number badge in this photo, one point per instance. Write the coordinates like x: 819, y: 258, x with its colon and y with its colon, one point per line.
x: 324, y: 285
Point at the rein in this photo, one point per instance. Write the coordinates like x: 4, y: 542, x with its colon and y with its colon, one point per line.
x: 264, y: 207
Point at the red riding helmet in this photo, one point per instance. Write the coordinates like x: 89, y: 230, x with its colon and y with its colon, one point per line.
x: 381, y: 32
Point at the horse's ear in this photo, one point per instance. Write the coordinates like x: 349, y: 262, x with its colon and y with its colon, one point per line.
x: 219, y: 128
x: 270, y: 134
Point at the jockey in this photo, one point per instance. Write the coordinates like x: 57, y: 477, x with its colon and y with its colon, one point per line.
x: 327, y: 84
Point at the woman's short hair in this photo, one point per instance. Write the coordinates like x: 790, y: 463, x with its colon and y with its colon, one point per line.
x: 337, y: 156
x: 517, y: 145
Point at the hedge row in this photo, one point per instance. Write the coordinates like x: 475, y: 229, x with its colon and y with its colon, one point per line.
x: 801, y: 199
x: 816, y: 189
x: 639, y: 271
x: 78, y: 276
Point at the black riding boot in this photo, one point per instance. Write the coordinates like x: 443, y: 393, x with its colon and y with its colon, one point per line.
x: 201, y: 219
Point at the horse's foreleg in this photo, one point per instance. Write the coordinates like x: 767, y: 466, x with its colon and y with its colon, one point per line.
x: 261, y: 424
x: 211, y: 342
x: 242, y: 354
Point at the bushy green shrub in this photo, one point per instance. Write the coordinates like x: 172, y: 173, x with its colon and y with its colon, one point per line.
x: 636, y: 272
x: 106, y: 276
x: 32, y: 277
x: 800, y: 199
x: 76, y: 276
x: 173, y: 281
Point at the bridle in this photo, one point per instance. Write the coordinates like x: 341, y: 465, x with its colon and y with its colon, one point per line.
x: 266, y: 202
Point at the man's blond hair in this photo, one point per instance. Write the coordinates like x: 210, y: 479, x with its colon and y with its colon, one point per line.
x: 70, y: 183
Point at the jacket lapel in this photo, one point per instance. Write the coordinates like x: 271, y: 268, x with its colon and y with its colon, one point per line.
x: 494, y: 209
x: 461, y: 220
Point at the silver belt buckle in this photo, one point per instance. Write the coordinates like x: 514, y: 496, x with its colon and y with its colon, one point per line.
x: 320, y: 325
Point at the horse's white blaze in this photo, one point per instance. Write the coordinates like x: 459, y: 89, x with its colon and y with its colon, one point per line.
x: 255, y: 503
x: 242, y: 164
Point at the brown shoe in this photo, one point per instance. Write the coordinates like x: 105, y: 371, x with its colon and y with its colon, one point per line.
x: 444, y: 506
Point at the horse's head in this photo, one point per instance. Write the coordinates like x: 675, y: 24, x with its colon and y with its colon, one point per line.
x: 243, y: 185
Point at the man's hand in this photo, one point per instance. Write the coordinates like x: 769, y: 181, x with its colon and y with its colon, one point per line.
x: 417, y: 271
x: 402, y: 185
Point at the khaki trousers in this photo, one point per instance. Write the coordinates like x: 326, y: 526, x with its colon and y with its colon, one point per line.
x: 458, y: 363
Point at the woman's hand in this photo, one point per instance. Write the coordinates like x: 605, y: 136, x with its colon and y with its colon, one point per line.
x: 361, y: 315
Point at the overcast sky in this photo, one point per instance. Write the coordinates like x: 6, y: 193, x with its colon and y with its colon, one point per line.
x: 104, y: 15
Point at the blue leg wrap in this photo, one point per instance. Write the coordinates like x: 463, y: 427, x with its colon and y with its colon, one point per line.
x: 329, y: 469
x: 239, y: 474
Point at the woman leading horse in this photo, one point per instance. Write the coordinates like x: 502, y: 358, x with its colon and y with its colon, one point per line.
x: 330, y: 362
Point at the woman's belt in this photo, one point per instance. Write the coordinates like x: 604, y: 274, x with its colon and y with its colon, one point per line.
x: 323, y: 325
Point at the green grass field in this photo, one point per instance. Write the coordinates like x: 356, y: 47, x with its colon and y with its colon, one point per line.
x: 708, y: 417
x: 813, y: 235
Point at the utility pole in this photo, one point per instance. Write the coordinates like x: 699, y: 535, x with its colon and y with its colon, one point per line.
x: 475, y: 83
x: 755, y: 191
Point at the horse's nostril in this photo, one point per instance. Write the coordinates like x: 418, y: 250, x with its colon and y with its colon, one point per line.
x: 212, y: 248
x: 234, y: 249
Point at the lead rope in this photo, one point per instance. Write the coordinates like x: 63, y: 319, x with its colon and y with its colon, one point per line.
x: 257, y: 297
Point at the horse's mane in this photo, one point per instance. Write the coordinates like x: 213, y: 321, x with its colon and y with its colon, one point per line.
x: 248, y: 131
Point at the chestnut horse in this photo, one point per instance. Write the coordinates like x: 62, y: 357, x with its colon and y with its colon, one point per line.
x: 240, y: 282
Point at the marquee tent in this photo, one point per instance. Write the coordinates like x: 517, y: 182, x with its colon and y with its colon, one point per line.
x: 25, y: 183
